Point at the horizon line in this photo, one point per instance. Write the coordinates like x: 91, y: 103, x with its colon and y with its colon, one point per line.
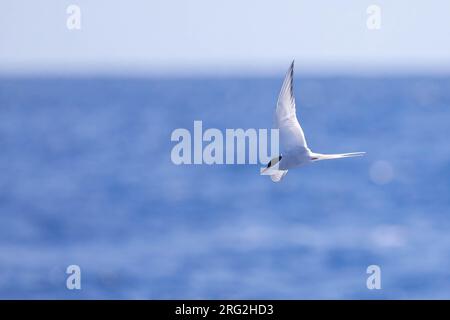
x: 241, y: 70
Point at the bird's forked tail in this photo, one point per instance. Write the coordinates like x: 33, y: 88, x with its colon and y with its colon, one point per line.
x: 320, y: 156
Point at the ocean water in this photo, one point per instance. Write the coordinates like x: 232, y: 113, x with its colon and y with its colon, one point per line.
x: 86, y: 178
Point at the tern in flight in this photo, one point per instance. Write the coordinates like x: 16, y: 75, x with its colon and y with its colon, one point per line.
x: 295, y: 151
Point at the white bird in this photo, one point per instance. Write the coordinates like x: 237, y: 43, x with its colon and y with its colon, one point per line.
x: 292, y: 139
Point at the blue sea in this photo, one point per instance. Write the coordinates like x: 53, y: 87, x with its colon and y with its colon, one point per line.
x: 86, y: 179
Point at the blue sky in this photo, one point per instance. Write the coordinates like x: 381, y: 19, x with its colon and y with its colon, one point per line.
x: 216, y: 37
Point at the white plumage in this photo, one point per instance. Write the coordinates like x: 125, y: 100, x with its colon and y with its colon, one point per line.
x: 295, y: 151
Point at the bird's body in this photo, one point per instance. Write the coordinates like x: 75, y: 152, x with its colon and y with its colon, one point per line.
x: 295, y: 151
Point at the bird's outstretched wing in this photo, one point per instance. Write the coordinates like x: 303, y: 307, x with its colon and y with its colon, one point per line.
x: 291, y: 133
